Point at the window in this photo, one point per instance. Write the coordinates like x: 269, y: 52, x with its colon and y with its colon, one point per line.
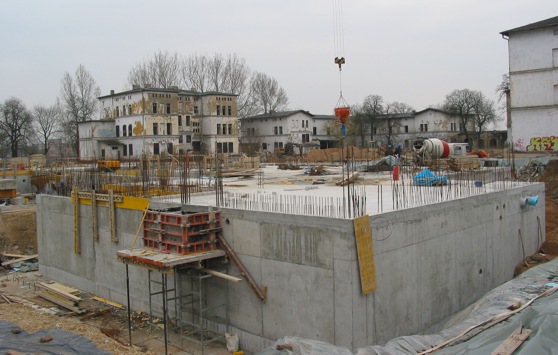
x: 219, y: 147
x: 169, y: 129
x: 225, y: 148
x: 196, y: 109
x: 231, y: 146
x: 168, y: 109
x: 130, y: 149
x: 280, y: 129
x: 125, y: 150
x: 124, y: 131
x: 230, y: 110
x: 180, y: 139
x: 218, y: 128
x: 179, y: 121
x: 188, y: 121
x: 314, y: 131
x: 170, y: 148
x: 117, y: 111
x: 102, y: 153
x: 306, y: 138
x: 426, y: 127
x: 188, y: 139
x: 156, y: 148
x: 307, y: 124
x: 406, y: 129
x: 155, y: 129
x: 129, y: 110
x: 375, y: 130
x: 275, y: 130
x: 130, y: 130
x: 118, y: 131
x: 218, y: 110
x: 230, y: 129
x: 123, y: 110
x: 154, y: 107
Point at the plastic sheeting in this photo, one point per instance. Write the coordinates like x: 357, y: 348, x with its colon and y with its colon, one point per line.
x: 300, y: 346
x: 541, y: 316
x: 62, y: 342
x: 427, y: 178
x: 520, y: 290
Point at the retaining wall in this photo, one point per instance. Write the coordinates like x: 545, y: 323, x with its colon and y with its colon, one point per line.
x: 431, y: 262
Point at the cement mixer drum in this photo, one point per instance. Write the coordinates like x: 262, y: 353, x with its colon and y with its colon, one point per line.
x: 432, y: 148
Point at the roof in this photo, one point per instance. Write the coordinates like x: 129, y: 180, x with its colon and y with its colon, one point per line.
x: 433, y: 109
x: 553, y: 21
x: 174, y: 90
x: 282, y: 114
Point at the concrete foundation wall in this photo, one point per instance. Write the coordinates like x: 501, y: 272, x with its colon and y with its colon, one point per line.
x: 430, y: 262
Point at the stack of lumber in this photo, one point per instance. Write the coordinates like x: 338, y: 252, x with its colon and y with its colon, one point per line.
x: 18, y: 258
x: 464, y: 163
x: 61, y: 295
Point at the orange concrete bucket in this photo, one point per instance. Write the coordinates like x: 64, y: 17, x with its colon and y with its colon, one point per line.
x: 342, y: 112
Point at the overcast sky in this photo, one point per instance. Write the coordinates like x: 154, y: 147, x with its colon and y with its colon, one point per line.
x: 411, y: 51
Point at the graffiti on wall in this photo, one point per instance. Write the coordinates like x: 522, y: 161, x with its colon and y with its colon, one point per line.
x: 543, y: 143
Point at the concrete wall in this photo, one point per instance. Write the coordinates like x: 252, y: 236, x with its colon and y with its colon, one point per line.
x: 430, y: 263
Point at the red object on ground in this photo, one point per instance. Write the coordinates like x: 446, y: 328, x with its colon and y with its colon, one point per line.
x: 396, y: 173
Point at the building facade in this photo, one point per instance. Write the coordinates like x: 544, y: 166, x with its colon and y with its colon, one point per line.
x: 155, y: 121
x: 270, y: 131
x: 533, y: 96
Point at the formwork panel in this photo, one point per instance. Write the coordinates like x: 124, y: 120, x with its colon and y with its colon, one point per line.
x: 182, y: 233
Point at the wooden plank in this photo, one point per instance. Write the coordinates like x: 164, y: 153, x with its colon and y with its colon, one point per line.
x: 64, y: 288
x: 18, y: 260
x: 514, y: 341
x: 54, y: 300
x: 365, y: 253
x: 58, y: 292
x: 222, y: 275
x: 75, y: 198
x: 14, y: 255
x: 110, y: 303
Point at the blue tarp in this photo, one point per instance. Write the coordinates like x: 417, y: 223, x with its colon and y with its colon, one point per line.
x: 427, y: 178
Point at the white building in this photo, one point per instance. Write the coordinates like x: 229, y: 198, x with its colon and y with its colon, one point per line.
x: 153, y: 120
x: 270, y: 131
x: 533, y: 71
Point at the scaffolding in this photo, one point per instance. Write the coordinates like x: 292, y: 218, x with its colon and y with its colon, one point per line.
x: 180, y: 245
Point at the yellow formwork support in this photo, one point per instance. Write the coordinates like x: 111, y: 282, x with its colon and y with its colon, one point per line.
x: 365, y: 252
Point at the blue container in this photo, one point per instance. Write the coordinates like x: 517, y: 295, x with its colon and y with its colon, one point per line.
x: 478, y: 183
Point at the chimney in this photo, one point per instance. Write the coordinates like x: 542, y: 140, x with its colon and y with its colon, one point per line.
x: 112, y: 92
x: 135, y: 87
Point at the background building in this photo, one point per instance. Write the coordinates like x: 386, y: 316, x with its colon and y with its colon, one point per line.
x: 533, y: 72
x: 153, y: 121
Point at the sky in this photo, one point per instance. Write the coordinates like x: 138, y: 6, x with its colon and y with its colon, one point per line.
x: 410, y: 51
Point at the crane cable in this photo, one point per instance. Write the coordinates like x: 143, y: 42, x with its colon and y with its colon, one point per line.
x: 339, y: 44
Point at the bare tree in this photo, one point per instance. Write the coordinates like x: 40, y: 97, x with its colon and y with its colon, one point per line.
x: 78, y: 100
x: 372, y: 107
x: 162, y: 71
x: 392, y: 123
x: 266, y: 93
x: 194, y: 73
x: 462, y: 104
x: 15, y: 124
x: 484, y: 114
x: 47, y: 123
x: 360, y: 123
